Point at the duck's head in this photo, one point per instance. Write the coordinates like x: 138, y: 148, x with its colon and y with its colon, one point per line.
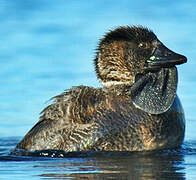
x: 133, y: 56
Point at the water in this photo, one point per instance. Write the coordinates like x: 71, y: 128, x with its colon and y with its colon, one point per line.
x: 48, y: 46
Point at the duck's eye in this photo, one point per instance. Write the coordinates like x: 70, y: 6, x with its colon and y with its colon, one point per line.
x: 141, y: 45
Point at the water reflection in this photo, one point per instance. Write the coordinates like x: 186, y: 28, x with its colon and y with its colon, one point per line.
x: 131, y: 166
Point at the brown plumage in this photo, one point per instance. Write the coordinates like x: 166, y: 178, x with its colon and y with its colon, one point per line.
x: 125, y: 115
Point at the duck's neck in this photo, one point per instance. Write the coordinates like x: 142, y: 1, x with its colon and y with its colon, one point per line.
x: 119, y: 90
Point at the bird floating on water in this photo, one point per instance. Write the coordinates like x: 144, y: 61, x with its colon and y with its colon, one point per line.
x: 136, y: 110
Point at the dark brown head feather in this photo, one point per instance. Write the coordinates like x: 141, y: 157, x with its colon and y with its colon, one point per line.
x: 135, y: 34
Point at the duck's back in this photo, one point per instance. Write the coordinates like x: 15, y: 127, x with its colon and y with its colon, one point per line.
x: 85, y: 118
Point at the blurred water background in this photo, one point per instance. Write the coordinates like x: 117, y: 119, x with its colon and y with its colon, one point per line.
x: 48, y: 46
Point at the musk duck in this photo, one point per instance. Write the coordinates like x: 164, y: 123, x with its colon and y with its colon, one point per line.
x: 137, y: 109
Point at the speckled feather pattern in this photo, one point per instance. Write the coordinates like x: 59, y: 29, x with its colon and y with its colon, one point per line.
x: 118, y: 59
x: 85, y: 118
x: 105, y: 119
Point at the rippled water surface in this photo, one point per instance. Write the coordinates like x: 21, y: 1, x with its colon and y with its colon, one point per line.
x: 48, y: 46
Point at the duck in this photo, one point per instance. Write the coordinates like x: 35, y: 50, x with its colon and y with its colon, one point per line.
x: 135, y: 109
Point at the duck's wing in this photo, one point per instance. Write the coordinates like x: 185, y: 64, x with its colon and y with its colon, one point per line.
x: 65, y: 124
x: 46, y: 132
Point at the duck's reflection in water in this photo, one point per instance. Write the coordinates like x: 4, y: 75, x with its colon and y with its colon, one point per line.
x: 118, y: 166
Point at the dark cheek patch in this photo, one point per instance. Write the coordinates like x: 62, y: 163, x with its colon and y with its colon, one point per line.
x: 154, y: 92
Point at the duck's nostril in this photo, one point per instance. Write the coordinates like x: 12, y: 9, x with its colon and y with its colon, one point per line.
x: 153, y: 58
x: 163, y: 57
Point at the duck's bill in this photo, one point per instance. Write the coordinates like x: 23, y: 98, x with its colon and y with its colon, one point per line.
x: 154, y: 91
x: 164, y: 58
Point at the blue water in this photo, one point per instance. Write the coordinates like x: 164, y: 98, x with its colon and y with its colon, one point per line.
x: 48, y: 46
